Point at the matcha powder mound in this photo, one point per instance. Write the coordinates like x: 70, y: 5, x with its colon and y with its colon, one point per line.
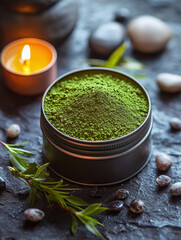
x: 95, y: 107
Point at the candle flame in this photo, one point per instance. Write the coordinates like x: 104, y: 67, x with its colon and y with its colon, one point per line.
x: 26, y: 53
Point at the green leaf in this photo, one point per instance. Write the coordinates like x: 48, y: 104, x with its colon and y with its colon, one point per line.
x: 51, y: 198
x: 88, y: 219
x: 91, y: 228
x: 63, y: 193
x: 94, y: 209
x: 41, y: 169
x: 42, y: 176
x: 76, y: 201
x: 59, y: 184
x: 33, y: 195
x: 140, y: 76
x: 56, y: 185
x: 131, y: 64
x: 115, y: 57
x: 18, y: 163
x: 18, y: 157
x: 50, y: 183
x: 31, y: 170
x: 96, y: 62
x: 74, y: 224
x: 22, y: 151
x: 18, y: 144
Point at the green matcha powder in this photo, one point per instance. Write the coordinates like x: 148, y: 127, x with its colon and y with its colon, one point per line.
x: 95, y: 106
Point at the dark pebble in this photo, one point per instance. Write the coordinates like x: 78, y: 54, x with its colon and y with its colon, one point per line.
x: 2, y: 184
x: 137, y: 206
x: 175, y: 124
x: 175, y: 189
x: 122, y: 194
x: 96, y: 192
x: 122, y: 15
x: 106, y: 38
x: 34, y: 214
x: 115, y: 206
x: 163, y: 161
x: 163, y: 180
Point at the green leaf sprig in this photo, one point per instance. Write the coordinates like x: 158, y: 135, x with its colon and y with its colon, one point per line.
x: 38, y: 179
x: 118, y: 61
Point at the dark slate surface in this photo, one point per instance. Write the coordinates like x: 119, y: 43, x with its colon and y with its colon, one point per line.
x: 162, y: 217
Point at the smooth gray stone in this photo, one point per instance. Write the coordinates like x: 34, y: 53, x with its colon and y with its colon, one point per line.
x: 106, y: 38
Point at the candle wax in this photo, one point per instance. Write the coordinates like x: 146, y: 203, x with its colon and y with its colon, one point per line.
x: 40, y: 58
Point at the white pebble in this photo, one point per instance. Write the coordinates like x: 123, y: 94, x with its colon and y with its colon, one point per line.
x: 13, y: 131
x: 168, y: 82
x: 148, y: 34
x: 34, y: 214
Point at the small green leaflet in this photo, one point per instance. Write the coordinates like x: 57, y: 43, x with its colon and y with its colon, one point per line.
x: 40, y: 170
x: 22, y: 151
x: 115, y: 57
x: 94, y: 209
x: 76, y: 201
x: 31, y: 169
x: 74, y: 224
x: 17, y: 144
x: 93, y: 230
x: 140, y: 76
x: 18, y: 162
x: 33, y: 195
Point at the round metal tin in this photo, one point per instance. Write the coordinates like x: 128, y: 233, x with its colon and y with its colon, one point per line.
x: 97, y: 162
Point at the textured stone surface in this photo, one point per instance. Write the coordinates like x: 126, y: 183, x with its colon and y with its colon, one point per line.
x: 162, y: 217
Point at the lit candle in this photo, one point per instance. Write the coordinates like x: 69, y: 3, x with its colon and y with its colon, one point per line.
x: 29, y: 65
